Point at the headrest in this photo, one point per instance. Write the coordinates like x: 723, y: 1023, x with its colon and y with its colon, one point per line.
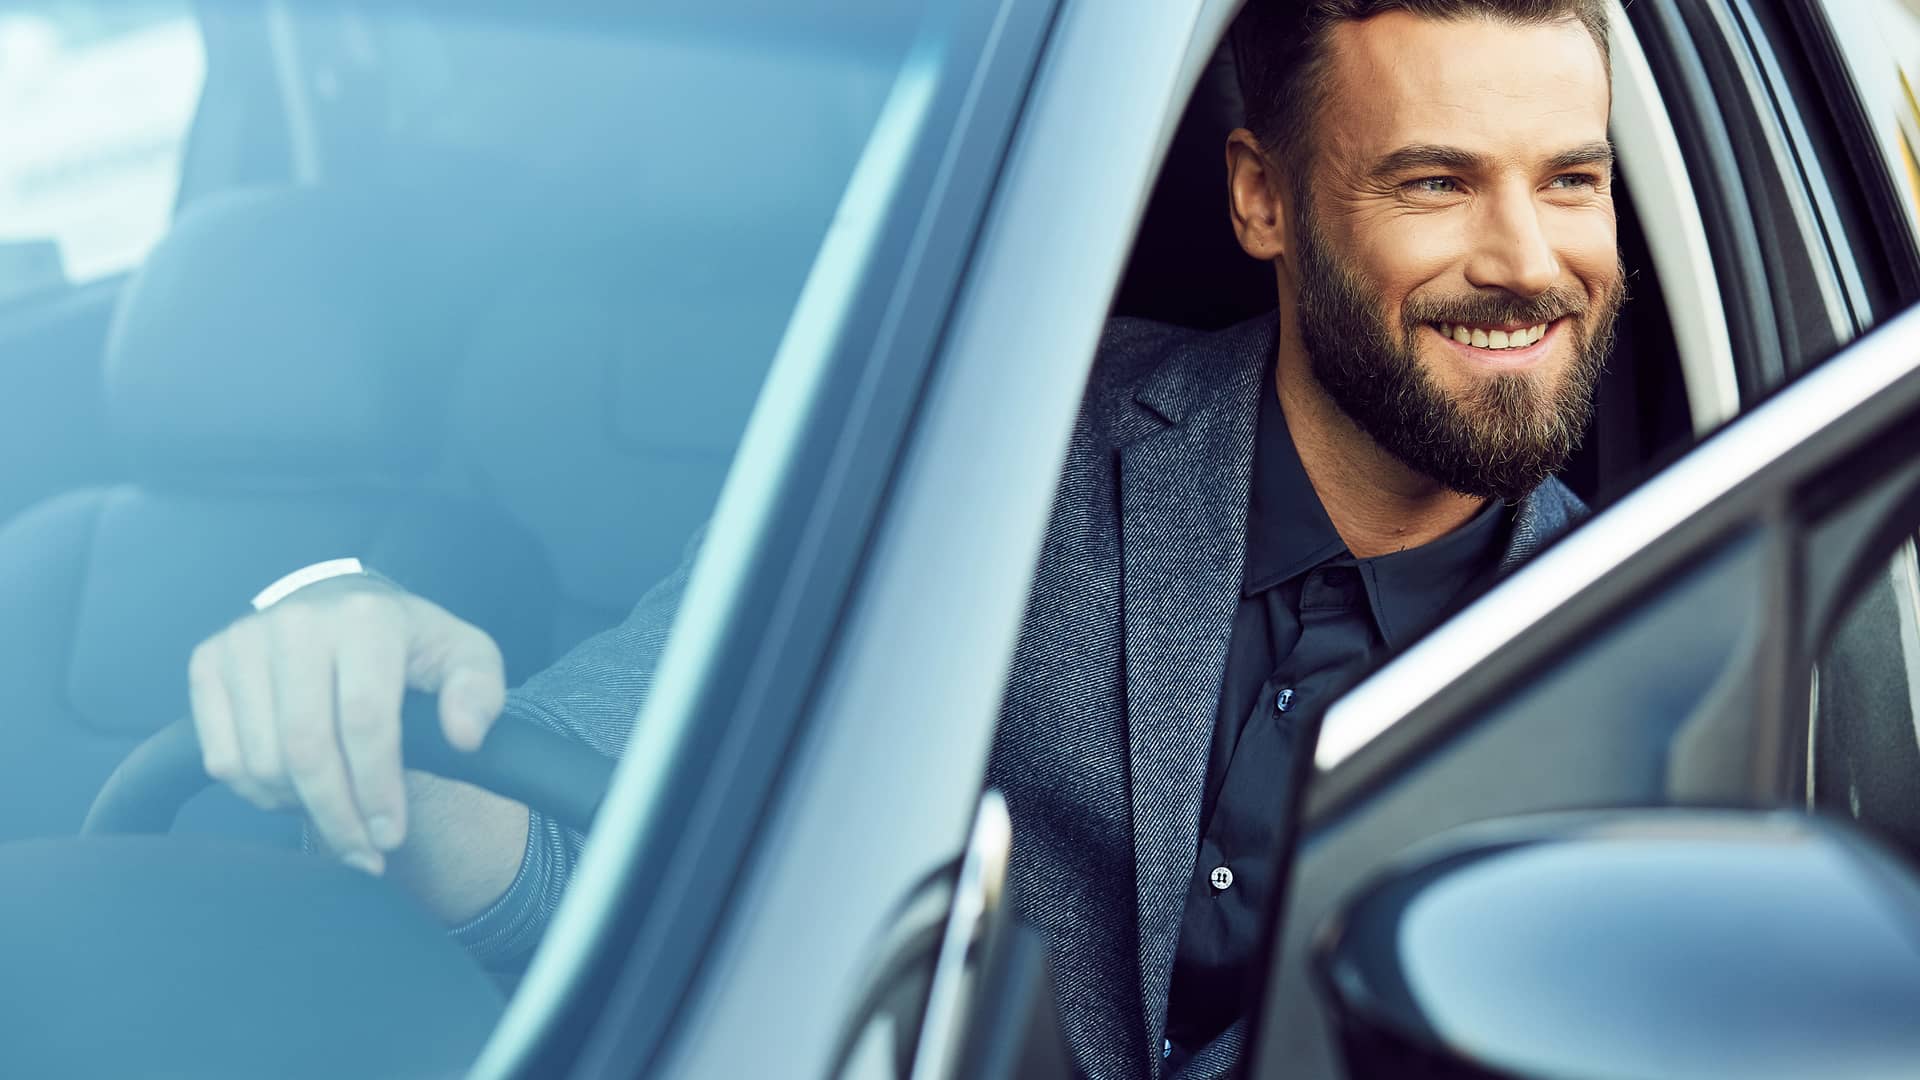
x: 282, y: 332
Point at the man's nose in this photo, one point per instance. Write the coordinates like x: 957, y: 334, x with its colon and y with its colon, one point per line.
x: 1511, y: 251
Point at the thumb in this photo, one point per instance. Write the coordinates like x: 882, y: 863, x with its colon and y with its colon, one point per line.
x: 470, y: 701
x: 462, y: 664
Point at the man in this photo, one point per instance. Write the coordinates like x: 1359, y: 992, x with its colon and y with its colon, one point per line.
x: 1246, y: 520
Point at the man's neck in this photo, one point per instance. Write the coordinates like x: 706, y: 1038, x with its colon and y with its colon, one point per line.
x: 1375, y: 502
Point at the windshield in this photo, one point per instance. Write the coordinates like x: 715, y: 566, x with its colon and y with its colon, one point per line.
x: 482, y: 298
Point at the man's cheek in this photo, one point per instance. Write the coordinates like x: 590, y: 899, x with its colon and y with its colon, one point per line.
x: 1591, y: 253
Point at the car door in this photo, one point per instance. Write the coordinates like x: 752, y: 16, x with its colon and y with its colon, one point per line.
x: 1661, y: 655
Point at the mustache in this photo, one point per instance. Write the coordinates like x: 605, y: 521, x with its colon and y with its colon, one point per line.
x: 1497, y: 307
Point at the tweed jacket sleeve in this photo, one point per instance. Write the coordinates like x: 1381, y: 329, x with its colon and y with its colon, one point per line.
x: 592, y: 694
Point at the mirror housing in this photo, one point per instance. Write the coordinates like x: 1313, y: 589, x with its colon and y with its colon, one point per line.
x: 1657, y: 943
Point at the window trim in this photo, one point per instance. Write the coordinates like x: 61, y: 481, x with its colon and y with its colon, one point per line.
x: 1720, y: 189
x: 1655, y: 170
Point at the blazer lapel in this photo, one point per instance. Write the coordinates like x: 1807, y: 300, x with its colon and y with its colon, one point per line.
x: 1183, y: 536
x: 1540, y: 517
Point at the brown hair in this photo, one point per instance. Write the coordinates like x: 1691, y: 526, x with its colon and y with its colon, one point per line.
x: 1280, y: 50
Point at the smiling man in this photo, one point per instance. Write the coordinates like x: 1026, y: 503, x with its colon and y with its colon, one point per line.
x: 1247, y: 520
x: 1252, y: 519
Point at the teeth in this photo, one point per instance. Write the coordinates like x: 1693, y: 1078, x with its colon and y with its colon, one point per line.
x: 1493, y: 339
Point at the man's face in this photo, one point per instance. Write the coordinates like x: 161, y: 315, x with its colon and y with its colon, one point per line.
x: 1461, y: 188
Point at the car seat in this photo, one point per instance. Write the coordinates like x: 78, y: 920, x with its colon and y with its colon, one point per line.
x: 274, y: 381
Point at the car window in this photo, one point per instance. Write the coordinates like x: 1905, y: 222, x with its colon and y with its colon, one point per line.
x: 96, y: 99
x: 490, y: 301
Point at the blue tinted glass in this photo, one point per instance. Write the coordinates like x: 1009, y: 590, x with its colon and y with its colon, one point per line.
x: 482, y: 295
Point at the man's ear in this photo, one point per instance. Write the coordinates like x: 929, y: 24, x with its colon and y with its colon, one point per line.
x: 1255, y: 198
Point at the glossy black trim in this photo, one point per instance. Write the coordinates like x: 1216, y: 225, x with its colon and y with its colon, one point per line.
x: 1810, y: 302
x: 750, y: 711
x: 1721, y: 189
x: 1773, y: 87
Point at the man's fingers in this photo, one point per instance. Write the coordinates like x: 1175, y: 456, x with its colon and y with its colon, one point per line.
x: 370, y: 679
x: 301, y: 705
x: 303, y: 692
x: 248, y: 667
x: 213, y: 721
x: 470, y: 702
x: 460, y: 663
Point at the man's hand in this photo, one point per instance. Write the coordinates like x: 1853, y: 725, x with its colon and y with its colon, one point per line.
x: 299, y: 705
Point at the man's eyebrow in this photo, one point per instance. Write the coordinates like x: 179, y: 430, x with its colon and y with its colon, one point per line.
x: 1593, y: 153
x: 1427, y: 156
x: 1424, y: 156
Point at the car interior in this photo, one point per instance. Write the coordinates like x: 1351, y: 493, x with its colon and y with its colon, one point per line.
x: 504, y: 361
x: 400, y: 313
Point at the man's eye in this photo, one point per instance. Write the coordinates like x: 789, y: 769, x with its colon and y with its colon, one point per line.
x: 1434, y: 185
x: 1575, y: 180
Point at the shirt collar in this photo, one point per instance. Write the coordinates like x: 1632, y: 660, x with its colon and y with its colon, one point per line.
x: 1289, y: 533
x: 1412, y: 590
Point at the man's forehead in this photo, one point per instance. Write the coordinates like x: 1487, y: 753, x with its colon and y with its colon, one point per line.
x: 1399, y: 79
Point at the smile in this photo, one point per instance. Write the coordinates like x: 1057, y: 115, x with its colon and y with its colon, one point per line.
x: 1493, y: 337
x: 1500, y: 346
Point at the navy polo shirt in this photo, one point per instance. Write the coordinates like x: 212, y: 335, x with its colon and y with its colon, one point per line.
x: 1311, y: 620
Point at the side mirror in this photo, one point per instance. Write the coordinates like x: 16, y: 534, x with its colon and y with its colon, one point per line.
x: 1660, y: 943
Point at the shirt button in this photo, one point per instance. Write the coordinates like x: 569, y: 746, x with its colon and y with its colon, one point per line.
x: 1221, y: 878
x: 1283, y: 700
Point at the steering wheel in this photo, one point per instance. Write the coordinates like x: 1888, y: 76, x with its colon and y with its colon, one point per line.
x: 157, y: 955
x: 558, y: 776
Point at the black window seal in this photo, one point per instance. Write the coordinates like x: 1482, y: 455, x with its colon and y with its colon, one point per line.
x: 1720, y: 190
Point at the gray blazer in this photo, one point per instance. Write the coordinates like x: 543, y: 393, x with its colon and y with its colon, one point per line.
x: 1103, y: 740
x: 1105, y: 728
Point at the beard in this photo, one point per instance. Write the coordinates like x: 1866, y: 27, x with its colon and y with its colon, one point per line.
x: 1498, y: 439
